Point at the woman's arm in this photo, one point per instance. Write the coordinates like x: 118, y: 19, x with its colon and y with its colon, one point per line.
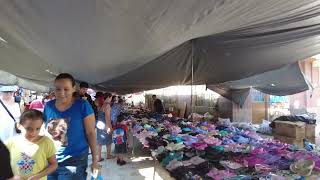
x: 51, y: 168
x: 107, y: 112
x: 89, y: 123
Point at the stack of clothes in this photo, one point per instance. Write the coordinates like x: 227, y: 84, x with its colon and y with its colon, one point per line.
x: 192, y: 150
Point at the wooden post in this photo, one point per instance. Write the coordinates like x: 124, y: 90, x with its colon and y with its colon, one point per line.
x: 267, y: 105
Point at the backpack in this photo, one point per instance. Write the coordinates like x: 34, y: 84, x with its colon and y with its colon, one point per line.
x: 119, y: 136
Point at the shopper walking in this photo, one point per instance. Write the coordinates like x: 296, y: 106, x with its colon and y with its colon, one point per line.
x: 71, y: 123
x: 9, y: 113
x: 104, y: 126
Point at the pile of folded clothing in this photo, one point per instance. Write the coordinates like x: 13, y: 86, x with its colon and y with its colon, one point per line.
x: 202, y: 150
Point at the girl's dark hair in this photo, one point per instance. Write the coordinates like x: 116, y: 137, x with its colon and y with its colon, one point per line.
x: 66, y: 76
x: 30, y: 114
x: 120, y: 118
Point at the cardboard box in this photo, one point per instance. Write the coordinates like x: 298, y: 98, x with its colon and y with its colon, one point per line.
x: 311, y: 130
x: 296, y: 130
x: 289, y: 140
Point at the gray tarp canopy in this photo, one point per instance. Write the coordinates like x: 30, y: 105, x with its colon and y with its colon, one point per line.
x: 271, y: 82
x: 127, y: 45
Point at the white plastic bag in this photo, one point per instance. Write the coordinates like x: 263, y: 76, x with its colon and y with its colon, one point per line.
x: 224, y: 122
x: 265, y: 128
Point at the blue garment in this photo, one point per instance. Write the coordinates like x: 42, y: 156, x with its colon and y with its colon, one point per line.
x: 73, y: 168
x: 240, y: 139
x: 103, y: 138
x: 200, y: 131
x: 227, y: 141
x: 186, y: 129
x: 116, y: 109
x: 156, y: 116
x: 307, y: 145
x: 77, y: 143
x: 175, y: 138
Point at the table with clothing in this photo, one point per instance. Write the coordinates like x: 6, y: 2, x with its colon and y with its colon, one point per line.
x: 200, y: 149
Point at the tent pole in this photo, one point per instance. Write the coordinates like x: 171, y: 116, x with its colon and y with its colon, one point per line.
x: 192, y: 55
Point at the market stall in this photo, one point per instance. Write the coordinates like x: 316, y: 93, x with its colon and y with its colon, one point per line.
x: 203, y: 150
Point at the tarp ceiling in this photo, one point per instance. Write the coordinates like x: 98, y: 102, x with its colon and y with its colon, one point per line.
x: 127, y: 45
x: 271, y: 82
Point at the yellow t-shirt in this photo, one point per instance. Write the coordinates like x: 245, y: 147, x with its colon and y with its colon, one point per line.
x: 28, y: 158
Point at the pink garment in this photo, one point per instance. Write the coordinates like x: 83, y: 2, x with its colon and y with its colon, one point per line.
x: 317, y: 165
x: 263, y: 168
x: 211, y: 127
x: 220, y: 174
x: 201, y: 137
x: 199, y: 146
x: 234, y: 148
x: 258, y: 151
x: 212, y: 141
x: 37, y: 104
x: 252, y: 161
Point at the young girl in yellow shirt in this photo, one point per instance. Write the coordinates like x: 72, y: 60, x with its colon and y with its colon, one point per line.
x: 32, y: 156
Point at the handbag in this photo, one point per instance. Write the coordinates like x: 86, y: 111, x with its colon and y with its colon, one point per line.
x: 15, y: 122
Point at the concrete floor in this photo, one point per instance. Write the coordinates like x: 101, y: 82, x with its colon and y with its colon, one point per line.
x: 139, y: 167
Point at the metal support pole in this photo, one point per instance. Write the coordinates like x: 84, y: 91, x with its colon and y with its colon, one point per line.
x: 192, y: 55
x: 133, y: 147
x: 154, y: 168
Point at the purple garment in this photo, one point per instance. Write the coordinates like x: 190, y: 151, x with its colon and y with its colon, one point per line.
x: 189, y: 140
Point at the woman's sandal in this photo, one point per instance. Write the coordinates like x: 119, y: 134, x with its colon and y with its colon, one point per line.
x: 110, y: 157
x: 100, y: 160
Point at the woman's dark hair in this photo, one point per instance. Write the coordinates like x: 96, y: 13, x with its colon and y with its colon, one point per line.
x: 107, y: 95
x: 100, y: 97
x: 120, y: 118
x: 113, y: 98
x: 30, y: 114
x: 66, y: 76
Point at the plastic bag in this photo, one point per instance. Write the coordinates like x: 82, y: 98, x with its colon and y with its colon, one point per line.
x: 196, y: 116
x: 207, y: 116
x: 265, y: 128
x: 224, y: 122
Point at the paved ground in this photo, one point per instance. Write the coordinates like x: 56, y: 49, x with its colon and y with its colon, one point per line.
x: 140, y: 167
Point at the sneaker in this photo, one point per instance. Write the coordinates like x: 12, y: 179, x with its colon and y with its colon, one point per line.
x: 118, y: 161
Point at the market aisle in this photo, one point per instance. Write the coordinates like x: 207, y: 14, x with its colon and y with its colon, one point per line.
x: 138, y: 168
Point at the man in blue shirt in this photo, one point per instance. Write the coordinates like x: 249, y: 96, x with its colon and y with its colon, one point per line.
x: 116, y: 109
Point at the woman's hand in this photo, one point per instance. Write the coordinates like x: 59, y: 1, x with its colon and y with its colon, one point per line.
x: 108, y: 129
x: 94, y: 166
